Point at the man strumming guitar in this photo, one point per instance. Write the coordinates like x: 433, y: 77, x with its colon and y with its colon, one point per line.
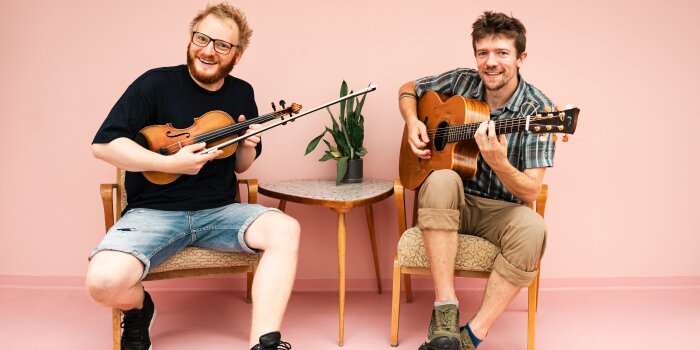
x: 509, y: 174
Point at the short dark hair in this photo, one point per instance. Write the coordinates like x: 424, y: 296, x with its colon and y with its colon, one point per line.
x: 499, y: 24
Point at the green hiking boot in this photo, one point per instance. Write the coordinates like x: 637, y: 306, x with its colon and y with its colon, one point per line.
x: 467, y: 343
x: 443, y: 331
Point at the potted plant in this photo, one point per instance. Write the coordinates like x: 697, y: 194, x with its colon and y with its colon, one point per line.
x: 348, y: 134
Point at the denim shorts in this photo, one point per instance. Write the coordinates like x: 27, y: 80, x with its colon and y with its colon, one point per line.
x: 153, y: 235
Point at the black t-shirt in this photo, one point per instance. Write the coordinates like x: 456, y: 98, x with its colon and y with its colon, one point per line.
x: 170, y: 95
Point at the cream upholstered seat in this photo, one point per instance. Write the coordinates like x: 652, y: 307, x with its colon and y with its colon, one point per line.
x: 475, y: 258
x: 190, y: 262
x: 475, y: 253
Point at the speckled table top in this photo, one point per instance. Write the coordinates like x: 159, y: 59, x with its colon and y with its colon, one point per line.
x: 325, y: 190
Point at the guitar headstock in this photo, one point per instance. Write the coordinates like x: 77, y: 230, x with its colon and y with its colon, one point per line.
x: 554, y: 122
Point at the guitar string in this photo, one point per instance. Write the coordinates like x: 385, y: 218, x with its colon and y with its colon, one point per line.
x: 501, y: 125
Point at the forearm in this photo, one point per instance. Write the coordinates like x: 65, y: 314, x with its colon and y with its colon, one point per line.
x: 128, y: 155
x: 245, y: 156
x: 524, y: 185
x: 408, y: 102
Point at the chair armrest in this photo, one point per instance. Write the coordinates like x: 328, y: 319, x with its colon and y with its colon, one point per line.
x: 252, y: 185
x: 400, y: 206
x: 107, y: 194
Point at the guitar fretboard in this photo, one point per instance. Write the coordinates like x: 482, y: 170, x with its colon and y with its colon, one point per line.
x: 466, y: 131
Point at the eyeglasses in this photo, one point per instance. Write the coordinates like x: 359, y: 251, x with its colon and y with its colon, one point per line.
x: 220, y: 46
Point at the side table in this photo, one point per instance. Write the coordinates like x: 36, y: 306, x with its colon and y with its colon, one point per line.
x: 340, y: 199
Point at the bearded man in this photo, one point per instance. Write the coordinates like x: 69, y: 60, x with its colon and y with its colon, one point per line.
x: 198, y: 208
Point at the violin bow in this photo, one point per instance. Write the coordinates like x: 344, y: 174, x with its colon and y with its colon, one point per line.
x: 268, y: 127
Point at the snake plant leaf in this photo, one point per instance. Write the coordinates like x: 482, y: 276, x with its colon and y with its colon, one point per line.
x: 339, y: 139
x: 326, y: 157
x: 342, y: 169
x: 312, y: 145
x: 343, y: 92
x: 332, y: 149
x: 350, y: 110
x: 360, y: 104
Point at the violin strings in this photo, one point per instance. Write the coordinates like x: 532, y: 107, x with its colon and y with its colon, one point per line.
x: 231, y: 129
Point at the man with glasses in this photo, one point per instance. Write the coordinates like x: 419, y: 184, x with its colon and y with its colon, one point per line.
x: 198, y: 208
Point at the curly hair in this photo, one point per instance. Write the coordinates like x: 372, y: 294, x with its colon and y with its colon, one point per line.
x: 225, y: 11
x: 499, y: 24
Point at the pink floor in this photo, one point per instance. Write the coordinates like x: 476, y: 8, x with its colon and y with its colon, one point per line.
x: 638, y: 318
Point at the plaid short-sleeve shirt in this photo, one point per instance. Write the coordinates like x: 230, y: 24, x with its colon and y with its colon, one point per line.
x: 525, y: 150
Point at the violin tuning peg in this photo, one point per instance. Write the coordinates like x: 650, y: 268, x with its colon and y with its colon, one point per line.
x: 274, y: 108
x: 282, y: 103
x: 554, y: 138
x: 565, y: 138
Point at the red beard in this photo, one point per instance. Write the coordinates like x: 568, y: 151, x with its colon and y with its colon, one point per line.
x: 204, y: 78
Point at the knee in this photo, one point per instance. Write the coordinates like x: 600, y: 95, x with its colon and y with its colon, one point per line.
x: 286, y: 233
x: 291, y: 232
x: 443, y: 189
x: 104, y: 284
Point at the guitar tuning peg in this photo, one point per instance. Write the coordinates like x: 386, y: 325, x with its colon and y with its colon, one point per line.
x: 274, y: 108
x: 282, y: 103
x: 554, y: 138
x: 543, y: 137
x: 565, y: 138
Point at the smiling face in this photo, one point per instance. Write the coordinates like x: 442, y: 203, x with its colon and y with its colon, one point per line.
x: 208, y: 67
x: 498, y: 62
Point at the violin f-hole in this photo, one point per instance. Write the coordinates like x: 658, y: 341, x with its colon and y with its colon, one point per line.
x: 169, y: 134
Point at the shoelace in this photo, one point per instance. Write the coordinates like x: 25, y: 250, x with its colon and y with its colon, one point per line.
x: 283, y: 345
x: 445, y: 319
x: 136, y: 330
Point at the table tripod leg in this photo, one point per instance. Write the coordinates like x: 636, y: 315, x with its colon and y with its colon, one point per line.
x: 342, y: 236
x: 369, y: 213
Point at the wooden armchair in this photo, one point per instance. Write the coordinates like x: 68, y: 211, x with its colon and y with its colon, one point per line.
x: 190, y: 262
x: 475, y: 258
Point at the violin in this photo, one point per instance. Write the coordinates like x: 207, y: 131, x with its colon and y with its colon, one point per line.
x: 214, y: 127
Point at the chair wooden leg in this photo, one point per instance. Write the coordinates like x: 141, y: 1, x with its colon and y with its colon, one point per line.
x: 395, y: 303
x: 116, y: 329
x: 249, y: 287
x: 531, y: 310
x: 537, y: 288
x: 407, y: 286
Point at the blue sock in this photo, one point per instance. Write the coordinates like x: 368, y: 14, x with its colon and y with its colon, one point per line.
x: 476, y: 341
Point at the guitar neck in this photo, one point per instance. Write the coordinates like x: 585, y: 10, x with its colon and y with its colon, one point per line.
x: 466, y: 131
x: 236, y: 128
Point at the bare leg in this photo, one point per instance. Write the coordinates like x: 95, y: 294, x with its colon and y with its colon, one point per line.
x: 442, y: 250
x: 278, y: 236
x: 498, y: 294
x: 113, y: 280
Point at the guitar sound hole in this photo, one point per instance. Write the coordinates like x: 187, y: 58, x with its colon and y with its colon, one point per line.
x: 440, y: 139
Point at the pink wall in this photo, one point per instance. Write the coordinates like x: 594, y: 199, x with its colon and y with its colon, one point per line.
x: 623, y: 190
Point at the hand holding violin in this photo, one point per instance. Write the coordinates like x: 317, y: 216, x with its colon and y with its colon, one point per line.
x: 188, y: 161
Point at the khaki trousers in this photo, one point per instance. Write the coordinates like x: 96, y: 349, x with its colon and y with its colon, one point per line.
x: 517, y: 229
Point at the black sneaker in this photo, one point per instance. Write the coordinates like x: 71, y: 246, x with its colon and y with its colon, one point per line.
x: 272, y: 341
x: 137, y: 326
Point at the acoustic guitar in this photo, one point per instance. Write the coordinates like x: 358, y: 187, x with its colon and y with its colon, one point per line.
x: 451, y: 123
